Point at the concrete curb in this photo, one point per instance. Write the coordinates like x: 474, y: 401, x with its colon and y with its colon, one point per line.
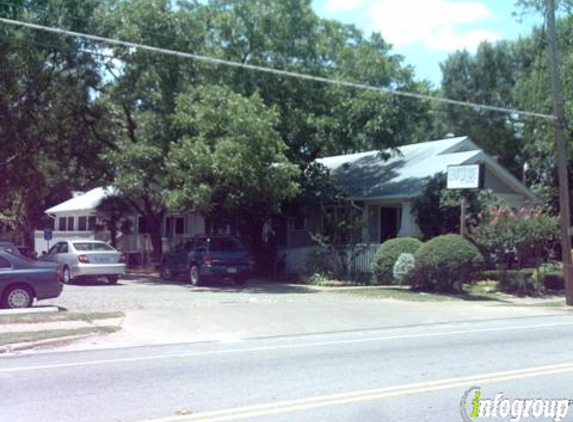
x: 59, y: 341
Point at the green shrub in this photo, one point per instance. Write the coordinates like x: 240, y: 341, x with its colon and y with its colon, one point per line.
x: 388, y: 253
x: 554, y: 281
x: 445, y: 263
x: 522, y: 284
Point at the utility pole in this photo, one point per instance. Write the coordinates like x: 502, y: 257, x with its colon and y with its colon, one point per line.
x: 561, y: 153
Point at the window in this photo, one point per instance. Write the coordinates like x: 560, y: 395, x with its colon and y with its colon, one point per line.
x: 82, y: 224
x: 70, y: 224
x: 62, y: 248
x: 92, y: 246
x: 224, y: 244
x: 142, y: 225
x: 92, y: 222
x: 53, y: 249
x: 62, y: 224
x: 180, y: 225
x: 4, y: 263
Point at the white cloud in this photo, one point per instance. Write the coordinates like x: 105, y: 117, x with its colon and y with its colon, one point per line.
x: 436, y: 24
x: 333, y: 6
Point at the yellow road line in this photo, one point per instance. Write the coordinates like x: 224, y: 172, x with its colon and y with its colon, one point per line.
x: 266, y: 409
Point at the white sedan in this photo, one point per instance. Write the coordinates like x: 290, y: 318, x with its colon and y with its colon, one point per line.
x: 86, y: 258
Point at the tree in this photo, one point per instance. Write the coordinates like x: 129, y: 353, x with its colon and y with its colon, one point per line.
x: 437, y: 209
x: 231, y: 164
x: 51, y: 132
x: 114, y: 211
x: 488, y: 77
x: 141, y: 98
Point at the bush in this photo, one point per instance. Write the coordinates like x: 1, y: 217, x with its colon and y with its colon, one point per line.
x: 525, y: 282
x: 403, y: 266
x: 388, y: 253
x: 522, y: 284
x: 445, y: 263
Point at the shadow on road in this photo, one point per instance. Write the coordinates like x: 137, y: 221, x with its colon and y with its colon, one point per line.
x: 224, y: 286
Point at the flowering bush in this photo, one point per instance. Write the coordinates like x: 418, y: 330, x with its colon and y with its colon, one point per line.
x: 506, y: 236
x: 403, y: 266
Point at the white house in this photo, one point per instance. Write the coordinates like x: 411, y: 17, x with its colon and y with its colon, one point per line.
x: 77, y: 218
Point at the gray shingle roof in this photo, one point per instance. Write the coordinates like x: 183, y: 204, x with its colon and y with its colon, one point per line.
x: 368, y: 175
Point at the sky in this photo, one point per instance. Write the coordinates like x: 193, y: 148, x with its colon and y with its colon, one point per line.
x: 426, y: 31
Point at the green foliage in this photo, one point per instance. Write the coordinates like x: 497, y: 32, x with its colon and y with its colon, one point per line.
x: 230, y: 164
x: 340, y: 243
x: 488, y: 77
x: 404, y: 265
x: 114, y: 210
x: 521, y: 284
x: 503, y: 234
x: 437, y: 209
x: 51, y: 131
x: 445, y: 263
x: 387, y: 255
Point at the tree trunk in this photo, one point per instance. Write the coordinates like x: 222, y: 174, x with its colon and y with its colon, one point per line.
x: 154, y: 227
x: 113, y: 233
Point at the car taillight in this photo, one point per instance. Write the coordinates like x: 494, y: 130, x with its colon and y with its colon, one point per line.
x: 84, y: 259
x: 207, y: 259
x: 122, y: 259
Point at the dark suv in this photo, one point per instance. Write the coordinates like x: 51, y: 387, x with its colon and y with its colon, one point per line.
x: 205, y: 258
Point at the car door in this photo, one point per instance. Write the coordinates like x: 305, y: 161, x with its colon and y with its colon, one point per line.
x: 181, y: 254
x: 6, y: 275
x: 63, y: 255
x: 52, y: 254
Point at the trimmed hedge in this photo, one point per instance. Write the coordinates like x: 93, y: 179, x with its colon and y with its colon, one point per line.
x: 387, y: 255
x: 516, y: 281
x: 445, y: 263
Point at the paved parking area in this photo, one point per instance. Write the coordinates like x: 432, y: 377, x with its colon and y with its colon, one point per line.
x: 152, y: 293
x: 176, y: 312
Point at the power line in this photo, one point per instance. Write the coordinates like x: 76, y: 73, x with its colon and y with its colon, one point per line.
x: 280, y: 72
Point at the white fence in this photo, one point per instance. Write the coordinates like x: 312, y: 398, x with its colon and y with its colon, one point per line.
x: 296, y: 258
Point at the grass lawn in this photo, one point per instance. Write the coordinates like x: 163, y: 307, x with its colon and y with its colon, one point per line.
x: 28, y: 336
x: 472, y: 293
x: 58, y: 316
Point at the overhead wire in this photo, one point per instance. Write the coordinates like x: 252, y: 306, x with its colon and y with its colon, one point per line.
x: 280, y: 72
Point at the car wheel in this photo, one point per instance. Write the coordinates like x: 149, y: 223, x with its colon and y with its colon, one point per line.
x: 17, y: 297
x: 240, y: 281
x: 66, y: 276
x: 112, y: 279
x: 195, y: 276
x: 166, y: 273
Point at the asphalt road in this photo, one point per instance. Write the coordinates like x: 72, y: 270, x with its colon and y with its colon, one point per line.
x: 395, y: 374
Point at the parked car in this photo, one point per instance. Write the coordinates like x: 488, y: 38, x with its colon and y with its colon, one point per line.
x: 9, y: 247
x: 206, y: 258
x: 22, y: 280
x: 86, y: 258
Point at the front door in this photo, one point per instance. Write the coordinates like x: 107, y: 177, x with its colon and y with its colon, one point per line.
x: 388, y: 223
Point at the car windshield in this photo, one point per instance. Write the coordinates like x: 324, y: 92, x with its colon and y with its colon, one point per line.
x: 224, y: 245
x: 92, y: 246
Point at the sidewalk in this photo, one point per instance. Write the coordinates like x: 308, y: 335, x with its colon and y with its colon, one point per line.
x: 230, y: 322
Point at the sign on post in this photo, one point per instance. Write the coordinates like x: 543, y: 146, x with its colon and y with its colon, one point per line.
x: 465, y: 176
x: 48, y: 234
